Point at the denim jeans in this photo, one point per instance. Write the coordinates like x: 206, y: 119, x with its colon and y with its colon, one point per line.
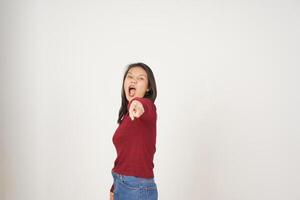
x: 134, y: 188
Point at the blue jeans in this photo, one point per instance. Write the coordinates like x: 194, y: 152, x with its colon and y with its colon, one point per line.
x: 134, y: 188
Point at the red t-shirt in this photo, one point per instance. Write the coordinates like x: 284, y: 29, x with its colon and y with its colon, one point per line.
x: 135, y: 142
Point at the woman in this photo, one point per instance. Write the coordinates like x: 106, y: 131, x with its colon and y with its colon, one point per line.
x: 135, y: 137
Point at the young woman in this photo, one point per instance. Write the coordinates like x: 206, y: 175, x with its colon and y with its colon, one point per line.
x: 135, y: 137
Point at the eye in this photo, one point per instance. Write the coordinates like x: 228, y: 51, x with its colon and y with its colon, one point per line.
x: 141, y: 78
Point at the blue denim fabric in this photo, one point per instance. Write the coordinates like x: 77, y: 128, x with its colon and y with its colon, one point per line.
x: 134, y: 188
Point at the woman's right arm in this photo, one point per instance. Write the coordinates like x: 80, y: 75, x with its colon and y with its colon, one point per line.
x: 111, y: 192
x: 111, y: 196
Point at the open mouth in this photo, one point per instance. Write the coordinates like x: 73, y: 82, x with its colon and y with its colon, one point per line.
x: 131, y: 90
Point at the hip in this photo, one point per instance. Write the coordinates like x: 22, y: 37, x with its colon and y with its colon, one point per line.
x: 134, y: 188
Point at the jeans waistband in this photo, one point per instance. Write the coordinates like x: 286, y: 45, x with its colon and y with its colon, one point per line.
x: 132, y: 178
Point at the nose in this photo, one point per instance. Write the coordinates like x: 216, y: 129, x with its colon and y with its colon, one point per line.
x: 133, y: 80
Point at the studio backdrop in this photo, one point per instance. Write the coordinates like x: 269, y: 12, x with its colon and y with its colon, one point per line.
x: 227, y: 76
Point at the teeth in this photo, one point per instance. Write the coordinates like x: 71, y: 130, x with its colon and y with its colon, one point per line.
x: 131, y: 87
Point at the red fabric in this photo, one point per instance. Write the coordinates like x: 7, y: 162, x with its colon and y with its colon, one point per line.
x: 135, y: 142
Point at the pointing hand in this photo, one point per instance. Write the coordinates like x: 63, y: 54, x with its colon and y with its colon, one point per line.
x: 136, y: 109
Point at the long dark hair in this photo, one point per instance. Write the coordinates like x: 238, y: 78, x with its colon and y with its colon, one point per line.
x: 151, y: 94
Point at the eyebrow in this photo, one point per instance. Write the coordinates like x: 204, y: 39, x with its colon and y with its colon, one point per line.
x: 139, y: 75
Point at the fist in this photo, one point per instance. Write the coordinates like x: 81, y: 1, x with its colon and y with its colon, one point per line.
x: 136, y: 109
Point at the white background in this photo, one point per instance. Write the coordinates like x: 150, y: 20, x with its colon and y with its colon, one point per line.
x: 227, y: 75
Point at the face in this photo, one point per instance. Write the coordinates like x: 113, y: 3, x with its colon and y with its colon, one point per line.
x: 135, y: 83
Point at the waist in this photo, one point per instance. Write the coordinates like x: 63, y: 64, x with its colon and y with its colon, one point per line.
x: 122, y: 177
